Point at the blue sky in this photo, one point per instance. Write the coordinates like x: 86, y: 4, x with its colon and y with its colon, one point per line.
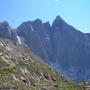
x: 74, y: 12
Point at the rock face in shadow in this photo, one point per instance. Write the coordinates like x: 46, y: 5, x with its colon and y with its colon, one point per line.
x: 7, y: 32
x: 71, y: 49
x: 37, y: 36
x: 60, y: 45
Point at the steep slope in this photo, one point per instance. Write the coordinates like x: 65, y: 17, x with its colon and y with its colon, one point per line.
x: 36, y: 36
x: 72, y: 50
x: 21, y: 69
x: 7, y: 32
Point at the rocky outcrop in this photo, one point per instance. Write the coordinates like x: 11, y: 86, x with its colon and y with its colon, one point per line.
x: 7, y: 32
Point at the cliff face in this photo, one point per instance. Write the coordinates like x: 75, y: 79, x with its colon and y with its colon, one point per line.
x: 72, y: 50
x: 7, y: 32
x: 21, y: 69
x: 59, y: 45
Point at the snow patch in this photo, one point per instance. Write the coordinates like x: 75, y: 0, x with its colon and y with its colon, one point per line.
x: 19, y: 40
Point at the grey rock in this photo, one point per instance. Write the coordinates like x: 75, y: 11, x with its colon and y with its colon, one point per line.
x: 60, y: 45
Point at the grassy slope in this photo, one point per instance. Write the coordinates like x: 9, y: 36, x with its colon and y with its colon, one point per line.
x: 22, y: 69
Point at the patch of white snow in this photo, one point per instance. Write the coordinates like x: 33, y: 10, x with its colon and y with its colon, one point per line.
x: 19, y: 40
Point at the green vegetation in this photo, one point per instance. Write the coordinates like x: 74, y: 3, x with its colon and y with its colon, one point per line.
x: 27, y: 72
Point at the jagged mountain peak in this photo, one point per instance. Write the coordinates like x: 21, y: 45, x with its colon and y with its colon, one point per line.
x: 58, y: 17
x: 29, y: 24
x: 58, y: 22
x: 5, y: 30
x: 39, y: 21
x: 4, y: 23
x: 26, y: 23
x: 47, y: 24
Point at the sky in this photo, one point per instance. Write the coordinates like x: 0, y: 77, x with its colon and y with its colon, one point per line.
x: 74, y: 12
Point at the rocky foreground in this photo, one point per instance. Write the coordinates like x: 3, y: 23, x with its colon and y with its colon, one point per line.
x: 20, y: 69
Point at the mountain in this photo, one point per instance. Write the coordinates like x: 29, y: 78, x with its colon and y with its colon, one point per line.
x: 7, y: 32
x: 22, y: 70
x: 60, y: 45
x: 72, y: 49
